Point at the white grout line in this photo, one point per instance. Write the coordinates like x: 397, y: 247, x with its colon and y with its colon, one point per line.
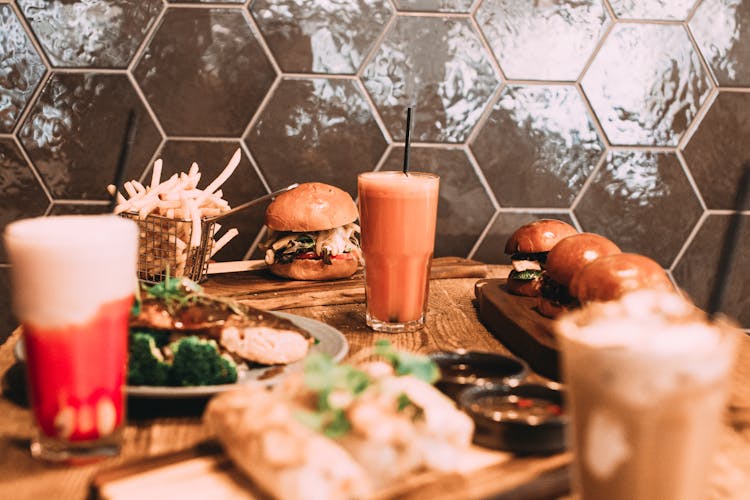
x: 26, y: 111
x: 494, y: 60
x: 376, y: 45
x: 262, y: 106
x: 489, y: 107
x: 610, y: 10
x: 593, y: 116
x: 735, y: 90
x: 692, y: 11
x: 147, y: 38
x: 689, y: 174
x: 147, y: 106
x: 589, y: 180
x: 483, y: 235
x: 256, y: 241
x: 33, y: 168
x: 31, y: 35
x: 255, y: 165
x: 576, y: 222
x: 611, y: 23
x: 695, y: 123
x: 412, y: 13
x: 154, y: 156
x: 206, y: 6
x: 689, y: 240
x: 80, y: 202
x: 374, y: 111
x: 480, y: 175
x: 534, y: 210
x: 258, y: 34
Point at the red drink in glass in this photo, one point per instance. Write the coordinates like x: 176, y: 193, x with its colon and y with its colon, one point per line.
x: 73, y: 280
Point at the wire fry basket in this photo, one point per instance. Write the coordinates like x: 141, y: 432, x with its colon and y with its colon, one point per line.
x: 164, y: 247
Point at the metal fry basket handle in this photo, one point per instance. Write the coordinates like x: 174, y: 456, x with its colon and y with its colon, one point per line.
x: 249, y: 204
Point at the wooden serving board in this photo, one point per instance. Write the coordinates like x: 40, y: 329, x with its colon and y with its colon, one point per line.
x: 515, y: 321
x: 205, y: 472
x: 266, y: 291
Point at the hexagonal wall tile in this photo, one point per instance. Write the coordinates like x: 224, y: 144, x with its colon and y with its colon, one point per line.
x: 719, y: 147
x: 492, y: 248
x: 652, y: 9
x: 696, y: 270
x: 210, y: 82
x: 722, y: 30
x: 74, y: 131
x: 90, y: 33
x: 464, y: 208
x: 538, y: 146
x: 646, y: 84
x: 542, y: 40
x: 437, y: 65
x: 21, y: 195
x: 21, y: 71
x: 320, y: 37
x: 316, y: 130
x: 633, y: 187
x: 244, y: 185
x: 434, y: 5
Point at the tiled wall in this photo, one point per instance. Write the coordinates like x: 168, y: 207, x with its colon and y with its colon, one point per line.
x: 630, y: 118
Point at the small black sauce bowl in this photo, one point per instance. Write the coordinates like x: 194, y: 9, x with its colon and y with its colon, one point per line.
x: 462, y: 369
x: 525, y: 435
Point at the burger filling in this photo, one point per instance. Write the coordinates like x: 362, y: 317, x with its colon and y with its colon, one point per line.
x: 527, y: 266
x: 337, y: 243
x: 556, y: 293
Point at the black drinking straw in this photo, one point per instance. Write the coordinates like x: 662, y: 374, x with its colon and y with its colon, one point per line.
x: 729, y: 246
x: 408, y: 140
x: 127, y: 143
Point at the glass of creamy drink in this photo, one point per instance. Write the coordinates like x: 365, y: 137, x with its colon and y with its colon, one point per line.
x: 398, y: 214
x: 73, y: 280
x: 647, y: 380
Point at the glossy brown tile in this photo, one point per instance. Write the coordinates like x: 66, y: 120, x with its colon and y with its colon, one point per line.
x: 244, y: 185
x: 209, y: 83
x: 542, y: 40
x: 434, y: 5
x: 464, y: 208
x: 74, y: 131
x: 722, y: 30
x: 718, y: 149
x: 643, y: 202
x: 21, y: 195
x: 321, y: 37
x: 316, y: 130
x: 20, y: 72
x: 652, y: 9
x: 77, y: 209
x: 90, y: 33
x: 696, y: 270
x: 7, y: 321
x: 492, y: 247
x: 538, y: 146
x: 646, y: 84
x: 437, y: 65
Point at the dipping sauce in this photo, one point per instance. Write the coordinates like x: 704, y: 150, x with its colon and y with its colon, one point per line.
x: 516, y: 408
x: 462, y: 369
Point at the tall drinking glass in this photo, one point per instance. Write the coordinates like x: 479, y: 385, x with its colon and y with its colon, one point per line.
x: 397, y: 214
x: 73, y: 279
x: 647, y: 383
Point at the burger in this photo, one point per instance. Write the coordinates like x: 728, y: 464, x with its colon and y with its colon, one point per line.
x: 611, y: 277
x: 528, y: 248
x: 565, y: 259
x: 312, y: 233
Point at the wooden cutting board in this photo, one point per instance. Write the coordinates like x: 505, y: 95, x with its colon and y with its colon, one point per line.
x: 266, y: 291
x: 515, y: 321
x: 205, y: 472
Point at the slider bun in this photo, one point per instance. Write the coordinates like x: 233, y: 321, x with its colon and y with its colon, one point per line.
x: 315, y: 269
x: 529, y: 288
x: 538, y: 236
x: 312, y: 206
x: 610, y: 277
x: 574, y: 252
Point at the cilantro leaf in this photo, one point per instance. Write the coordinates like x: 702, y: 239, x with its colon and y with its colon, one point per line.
x: 406, y: 363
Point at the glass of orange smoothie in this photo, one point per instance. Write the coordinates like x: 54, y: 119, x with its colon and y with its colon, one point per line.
x: 73, y: 279
x: 397, y: 213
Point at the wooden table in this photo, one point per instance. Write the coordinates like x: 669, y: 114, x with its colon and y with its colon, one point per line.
x: 157, y: 427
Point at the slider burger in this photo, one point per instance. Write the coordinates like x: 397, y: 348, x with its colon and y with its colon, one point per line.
x: 611, y: 277
x: 312, y: 234
x: 528, y: 248
x: 565, y: 259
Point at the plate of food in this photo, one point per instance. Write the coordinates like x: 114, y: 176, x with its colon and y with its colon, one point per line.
x: 185, y: 343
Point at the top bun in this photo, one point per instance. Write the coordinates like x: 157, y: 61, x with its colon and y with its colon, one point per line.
x: 611, y: 277
x: 312, y: 206
x: 572, y: 253
x: 538, y: 236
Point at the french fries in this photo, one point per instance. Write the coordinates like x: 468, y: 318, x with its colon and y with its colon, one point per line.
x: 175, y: 238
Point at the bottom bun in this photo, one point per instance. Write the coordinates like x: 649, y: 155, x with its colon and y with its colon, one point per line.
x: 315, y: 269
x: 529, y: 288
x: 550, y: 309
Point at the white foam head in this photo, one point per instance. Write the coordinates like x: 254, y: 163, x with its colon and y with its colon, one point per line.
x: 64, y: 268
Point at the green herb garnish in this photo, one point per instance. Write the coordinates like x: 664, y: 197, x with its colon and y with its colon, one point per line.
x: 406, y: 363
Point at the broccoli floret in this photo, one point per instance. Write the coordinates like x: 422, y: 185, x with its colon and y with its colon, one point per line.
x: 198, y: 362
x: 146, y: 364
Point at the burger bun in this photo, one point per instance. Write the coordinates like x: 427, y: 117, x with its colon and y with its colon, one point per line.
x: 538, y: 236
x: 572, y: 253
x: 550, y: 309
x: 315, y: 269
x: 312, y: 206
x: 529, y: 288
